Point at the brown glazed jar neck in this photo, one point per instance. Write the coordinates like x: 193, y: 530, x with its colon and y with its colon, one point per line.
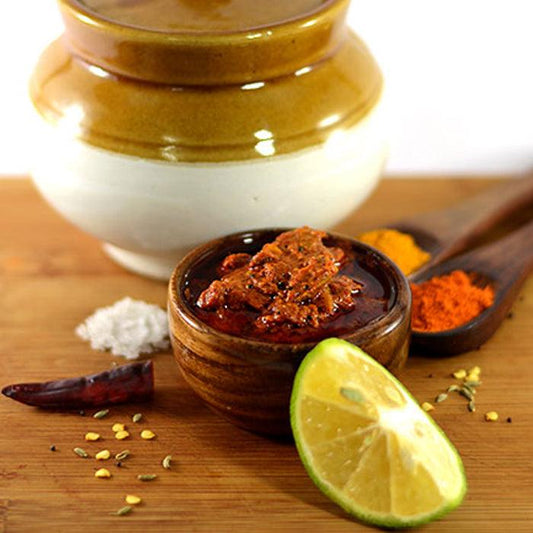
x: 214, y: 57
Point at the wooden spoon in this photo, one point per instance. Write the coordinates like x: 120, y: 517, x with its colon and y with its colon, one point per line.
x: 505, y: 264
x: 444, y: 233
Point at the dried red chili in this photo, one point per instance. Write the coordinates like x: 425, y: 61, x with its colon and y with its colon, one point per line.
x: 133, y: 382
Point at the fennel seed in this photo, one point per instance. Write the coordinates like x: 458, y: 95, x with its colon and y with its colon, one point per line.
x: 122, y: 455
x: 146, y: 477
x: 81, y: 452
x: 123, y: 511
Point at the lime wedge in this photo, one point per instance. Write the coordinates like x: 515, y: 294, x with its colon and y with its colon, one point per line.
x: 367, y: 444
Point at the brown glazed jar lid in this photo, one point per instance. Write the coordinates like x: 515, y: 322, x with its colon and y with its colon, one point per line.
x: 203, y: 42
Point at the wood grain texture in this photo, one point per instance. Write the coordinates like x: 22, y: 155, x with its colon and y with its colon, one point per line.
x: 224, y: 479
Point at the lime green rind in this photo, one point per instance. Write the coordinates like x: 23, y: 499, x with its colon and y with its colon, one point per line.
x: 385, y: 521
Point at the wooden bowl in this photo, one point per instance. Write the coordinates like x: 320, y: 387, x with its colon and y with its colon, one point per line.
x: 249, y: 382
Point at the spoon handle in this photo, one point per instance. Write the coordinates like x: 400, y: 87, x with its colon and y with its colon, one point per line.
x: 456, y: 226
x: 509, y: 260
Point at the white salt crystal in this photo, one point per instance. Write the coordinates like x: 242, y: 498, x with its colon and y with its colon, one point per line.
x: 128, y: 328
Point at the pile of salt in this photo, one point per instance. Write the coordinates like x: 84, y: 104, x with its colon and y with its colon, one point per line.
x: 128, y: 328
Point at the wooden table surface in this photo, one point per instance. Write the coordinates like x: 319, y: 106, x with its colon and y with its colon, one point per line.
x: 52, y: 276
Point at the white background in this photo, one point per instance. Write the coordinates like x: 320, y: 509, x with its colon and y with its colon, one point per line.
x: 459, y: 78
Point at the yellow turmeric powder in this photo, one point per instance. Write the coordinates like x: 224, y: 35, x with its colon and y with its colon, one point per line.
x: 398, y: 246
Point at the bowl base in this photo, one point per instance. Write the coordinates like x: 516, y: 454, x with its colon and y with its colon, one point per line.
x: 152, y: 266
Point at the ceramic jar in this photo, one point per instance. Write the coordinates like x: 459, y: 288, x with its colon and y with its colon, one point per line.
x: 172, y: 122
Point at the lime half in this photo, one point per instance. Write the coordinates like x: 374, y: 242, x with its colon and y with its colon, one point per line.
x: 367, y: 444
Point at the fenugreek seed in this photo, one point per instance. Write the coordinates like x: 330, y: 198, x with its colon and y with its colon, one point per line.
x: 121, y: 435
x: 137, y: 417
x: 441, y: 397
x: 92, y: 436
x: 102, y: 473
x: 166, y: 462
x: 491, y: 416
x: 473, y: 374
x: 471, y: 406
x: 459, y: 374
x: 452, y: 388
x: 122, y: 455
x: 101, y: 414
x: 146, y: 477
x: 81, y: 452
x: 427, y: 407
x: 467, y: 393
x: 131, y: 499
x: 146, y: 434
x: 103, y: 455
x: 123, y: 511
x: 118, y: 427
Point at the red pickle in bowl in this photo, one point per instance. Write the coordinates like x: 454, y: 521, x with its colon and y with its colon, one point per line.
x: 245, y: 371
x: 303, y: 286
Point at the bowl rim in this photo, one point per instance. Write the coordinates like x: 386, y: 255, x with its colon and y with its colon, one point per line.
x: 392, y: 317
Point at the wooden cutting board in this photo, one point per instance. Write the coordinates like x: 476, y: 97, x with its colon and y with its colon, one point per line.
x: 52, y: 276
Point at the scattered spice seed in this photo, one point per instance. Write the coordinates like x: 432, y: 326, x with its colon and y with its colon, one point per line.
x: 118, y: 427
x: 453, y: 388
x: 166, y: 462
x: 471, y: 390
x: 473, y: 374
x: 81, y: 412
x: 146, y: 477
x: 146, y: 434
x: 102, y: 473
x: 101, y: 414
x: 118, y: 464
x: 131, y: 499
x: 427, y: 407
x: 122, y: 455
x: 467, y: 393
x: 459, y: 374
x: 472, y: 384
x: 441, y: 397
x: 121, y: 435
x: 81, y: 452
x: 491, y: 416
x: 471, y: 406
x: 91, y: 436
x: 123, y: 511
x: 103, y: 455
x: 52, y: 448
x: 137, y: 417
x: 509, y: 419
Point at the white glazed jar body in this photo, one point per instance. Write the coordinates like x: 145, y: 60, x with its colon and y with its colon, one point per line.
x: 153, y: 169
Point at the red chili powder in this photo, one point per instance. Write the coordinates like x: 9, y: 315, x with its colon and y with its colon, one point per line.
x: 446, y: 302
